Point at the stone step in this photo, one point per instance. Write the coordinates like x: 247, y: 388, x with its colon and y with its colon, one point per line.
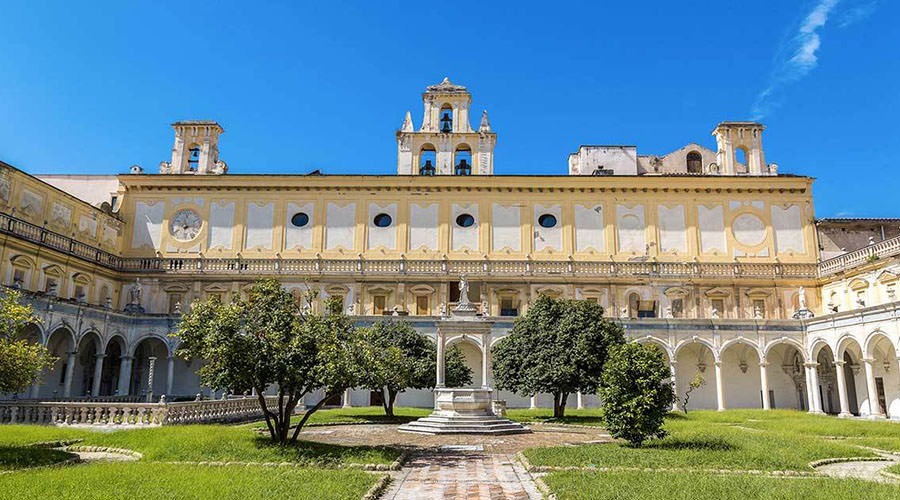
x: 463, y: 424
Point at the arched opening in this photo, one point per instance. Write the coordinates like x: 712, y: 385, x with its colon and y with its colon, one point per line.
x: 694, y: 163
x: 427, y: 160
x: 112, y: 365
x: 786, y: 377
x: 463, y: 160
x: 60, y: 343
x: 472, y: 355
x: 741, y: 376
x: 634, y: 304
x: 150, y: 355
x: 740, y: 160
x: 193, y: 157
x: 446, y: 119
x: 827, y: 376
x: 85, y: 365
x: 854, y: 376
x: 887, y: 380
x: 695, y: 362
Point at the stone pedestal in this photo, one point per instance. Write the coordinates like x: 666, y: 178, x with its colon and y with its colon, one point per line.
x: 463, y: 411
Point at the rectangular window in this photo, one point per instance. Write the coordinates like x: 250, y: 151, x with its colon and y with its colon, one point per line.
x: 422, y: 305
x: 509, y: 306
x: 18, y: 277
x: 379, y: 303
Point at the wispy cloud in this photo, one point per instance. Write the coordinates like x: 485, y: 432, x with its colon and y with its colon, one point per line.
x: 798, y: 55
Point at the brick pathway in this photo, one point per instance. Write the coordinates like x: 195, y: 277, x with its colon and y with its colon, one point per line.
x: 463, y: 476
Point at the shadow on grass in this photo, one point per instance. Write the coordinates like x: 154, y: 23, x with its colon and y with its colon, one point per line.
x: 324, y: 454
x: 676, y: 416
x: 695, y: 444
x: 21, y: 457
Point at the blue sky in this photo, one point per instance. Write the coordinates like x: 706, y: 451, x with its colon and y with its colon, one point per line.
x: 93, y: 88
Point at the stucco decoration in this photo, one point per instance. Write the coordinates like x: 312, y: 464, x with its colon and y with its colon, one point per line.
x: 423, y: 226
x: 712, y: 228
x: 294, y: 236
x: 385, y: 237
x: 221, y: 224
x: 340, y: 221
x: 788, y: 224
x: 110, y: 234
x: 31, y: 203
x: 547, y: 238
x: 148, y: 217
x: 589, y: 228
x: 260, y: 228
x: 464, y: 237
x: 87, y: 225
x: 749, y: 230
x: 5, y: 189
x: 506, y: 223
x: 60, y: 216
x: 630, y: 224
x: 672, y: 237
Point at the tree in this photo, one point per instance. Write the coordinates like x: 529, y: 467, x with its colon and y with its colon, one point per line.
x: 21, y: 361
x: 697, y: 382
x: 636, y: 392
x: 559, y: 346
x: 401, y: 358
x: 265, y: 340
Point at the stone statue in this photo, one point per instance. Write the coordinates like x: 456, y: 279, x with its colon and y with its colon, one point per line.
x: 134, y: 293
x: 802, y: 298
x: 463, y: 291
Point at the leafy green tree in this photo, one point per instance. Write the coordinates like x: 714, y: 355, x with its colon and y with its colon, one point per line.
x: 21, y: 361
x: 559, y: 346
x: 265, y: 340
x: 636, y: 391
x: 401, y: 358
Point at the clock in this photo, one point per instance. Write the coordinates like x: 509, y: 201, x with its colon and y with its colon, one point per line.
x: 185, y: 225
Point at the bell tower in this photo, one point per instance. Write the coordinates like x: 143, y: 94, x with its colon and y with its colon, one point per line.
x: 446, y: 144
x: 744, y: 136
x: 196, y: 149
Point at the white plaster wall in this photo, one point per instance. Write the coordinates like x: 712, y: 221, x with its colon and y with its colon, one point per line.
x: 298, y: 237
x: 506, y: 227
x: 788, y: 229
x: 423, y: 226
x: 339, y: 224
x: 382, y: 236
x: 630, y: 223
x: 784, y: 389
x: 547, y: 237
x: 221, y: 224
x: 742, y: 390
x: 260, y: 225
x: 589, y: 228
x: 672, y: 237
x: 148, y: 218
x: 712, y: 228
x: 464, y: 237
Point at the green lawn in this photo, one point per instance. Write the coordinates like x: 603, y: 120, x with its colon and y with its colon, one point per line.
x: 155, y: 480
x: 575, y: 485
x: 894, y: 469
x: 12, y: 435
x: 23, y: 457
x: 725, y: 440
x: 590, y: 416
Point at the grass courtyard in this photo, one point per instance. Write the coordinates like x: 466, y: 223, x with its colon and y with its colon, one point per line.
x: 679, y: 466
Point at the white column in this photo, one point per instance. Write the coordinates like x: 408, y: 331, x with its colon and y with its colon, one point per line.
x: 816, y: 394
x: 842, y: 389
x: 672, y: 366
x: 764, y: 385
x: 810, y: 406
x: 347, y: 394
x: 170, y: 376
x: 874, y: 410
x: 579, y: 398
x: 440, y: 359
x: 124, y: 375
x: 98, y: 372
x: 533, y: 404
x: 486, y: 360
x: 70, y: 373
x: 720, y: 390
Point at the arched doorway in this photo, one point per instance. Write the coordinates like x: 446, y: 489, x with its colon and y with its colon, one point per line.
x: 86, y: 362
x: 786, y: 377
x: 741, y: 376
x: 827, y: 377
x: 112, y: 366
x: 696, y: 361
x: 857, y: 399
x: 61, y: 344
x: 150, y: 352
x: 883, y: 355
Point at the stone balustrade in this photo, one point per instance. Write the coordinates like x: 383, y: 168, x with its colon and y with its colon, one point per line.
x: 130, y: 414
x: 849, y: 260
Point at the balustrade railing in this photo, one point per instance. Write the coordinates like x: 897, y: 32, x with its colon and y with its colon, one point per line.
x: 882, y: 249
x: 129, y: 414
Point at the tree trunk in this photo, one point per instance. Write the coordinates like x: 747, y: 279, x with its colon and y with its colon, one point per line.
x: 559, y: 404
x: 266, y: 413
x: 309, y: 413
x: 388, y: 410
x: 392, y: 396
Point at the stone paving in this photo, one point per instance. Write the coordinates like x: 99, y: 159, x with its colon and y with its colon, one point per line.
x: 866, y: 470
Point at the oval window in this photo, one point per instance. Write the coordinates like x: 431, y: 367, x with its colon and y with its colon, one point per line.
x: 300, y: 219
x: 547, y: 220
x: 465, y: 220
x: 382, y: 220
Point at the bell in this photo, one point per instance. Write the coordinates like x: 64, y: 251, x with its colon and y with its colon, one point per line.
x: 446, y: 123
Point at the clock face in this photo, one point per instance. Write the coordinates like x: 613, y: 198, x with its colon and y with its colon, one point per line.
x: 185, y: 225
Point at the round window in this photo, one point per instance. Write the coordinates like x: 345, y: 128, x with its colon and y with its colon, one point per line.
x: 465, y: 220
x: 547, y: 220
x: 300, y: 219
x: 382, y: 220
